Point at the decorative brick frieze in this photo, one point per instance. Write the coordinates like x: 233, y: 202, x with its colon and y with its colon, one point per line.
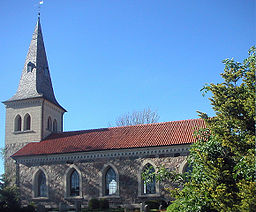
x: 152, y: 152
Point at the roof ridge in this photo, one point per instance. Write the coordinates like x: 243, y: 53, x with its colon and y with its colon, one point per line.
x: 127, y: 126
x: 157, y: 123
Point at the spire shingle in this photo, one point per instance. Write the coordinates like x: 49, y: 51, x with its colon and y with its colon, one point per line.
x: 35, y: 80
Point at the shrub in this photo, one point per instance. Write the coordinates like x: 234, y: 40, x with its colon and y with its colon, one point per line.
x: 94, y: 204
x: 164, y: 204
x: 153, y: 204
x: 104, y: 204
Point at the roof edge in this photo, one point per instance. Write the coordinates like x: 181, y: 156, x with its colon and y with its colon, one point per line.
x: 131, y: 148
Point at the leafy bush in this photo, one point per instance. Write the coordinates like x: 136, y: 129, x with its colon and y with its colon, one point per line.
x: 104, y: 204
x: 153, y: 204
x: 94, y: 204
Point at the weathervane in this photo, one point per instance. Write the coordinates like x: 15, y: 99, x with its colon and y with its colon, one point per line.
x: 39, y: 7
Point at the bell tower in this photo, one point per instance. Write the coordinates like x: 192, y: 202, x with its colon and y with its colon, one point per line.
x: 33, y: 112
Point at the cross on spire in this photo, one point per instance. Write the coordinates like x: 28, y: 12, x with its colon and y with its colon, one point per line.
x: 39, y: 7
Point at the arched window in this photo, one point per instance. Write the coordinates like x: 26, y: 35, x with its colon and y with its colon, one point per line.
x: 17, y: 123
x: 188, y: 168
x: 149, y: 187
x: 110, y: 182
x: 41, y: 189
x: 74, y: 183
x: 27, y: 122
x: 49, y: 124
x: 54, y: 125
x: 40, y: 186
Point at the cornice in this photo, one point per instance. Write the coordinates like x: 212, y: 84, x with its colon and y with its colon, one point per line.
x: 77, y: 157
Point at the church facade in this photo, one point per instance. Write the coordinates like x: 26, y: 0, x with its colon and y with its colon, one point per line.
x: 51, y: 166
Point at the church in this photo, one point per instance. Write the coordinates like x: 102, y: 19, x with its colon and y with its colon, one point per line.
x: 50, y: 166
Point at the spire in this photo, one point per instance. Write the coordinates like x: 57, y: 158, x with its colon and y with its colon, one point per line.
x: 35, y: 80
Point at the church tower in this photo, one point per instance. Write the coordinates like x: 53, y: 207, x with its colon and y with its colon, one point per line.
x: 33, y: 112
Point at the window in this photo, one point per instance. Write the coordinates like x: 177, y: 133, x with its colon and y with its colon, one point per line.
x: 74, y: 183
x: 17, y: 124
x: 40, y: 186
x: 149, y: 187
x: 110, y: 182
x: 46, y: 72
x: 49, y: 124
x: 41, y: 190
x: 188, y: 169
x: 54, y: 125
x: 30, y: 67
x: 27, y: 122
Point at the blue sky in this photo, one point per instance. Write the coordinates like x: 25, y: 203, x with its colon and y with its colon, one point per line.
x: 110, y: 57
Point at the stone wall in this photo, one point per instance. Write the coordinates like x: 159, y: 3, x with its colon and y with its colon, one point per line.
x: 129, y: 170
x: 9, y: 163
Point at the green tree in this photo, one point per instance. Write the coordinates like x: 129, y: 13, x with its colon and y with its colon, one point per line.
x: 9, y: 198
x: 223, y: 158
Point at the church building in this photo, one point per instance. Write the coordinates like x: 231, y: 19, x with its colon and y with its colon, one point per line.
x: 50, y: 166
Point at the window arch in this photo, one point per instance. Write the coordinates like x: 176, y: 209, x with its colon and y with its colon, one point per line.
x: 110, y: 182
x: 73, y: 182
x: 185, y: 167
x: 54, y: 125
x: 40, y: 188
x: 188, y: 168
x: 49, y: 124
x: 27, y: 122
x: 149, y: 187
x: 17, y: 123
x: 41, y: 185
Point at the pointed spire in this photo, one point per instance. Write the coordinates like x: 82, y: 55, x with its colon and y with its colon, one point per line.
x: 35, y: 80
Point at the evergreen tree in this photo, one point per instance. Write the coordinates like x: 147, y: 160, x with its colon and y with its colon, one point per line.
x: 223, y: 158
x: 9, y: 198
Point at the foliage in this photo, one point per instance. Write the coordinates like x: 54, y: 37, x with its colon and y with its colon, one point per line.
x: 101, y: 204
x: 104, y: 204
x: 223, y: 158
x: 93, y: 203
x: 9, y: 198
x: 146, y: 116
x: 153, y: 204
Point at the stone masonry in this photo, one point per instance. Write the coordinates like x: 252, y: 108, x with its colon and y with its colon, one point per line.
x: 129, y: 177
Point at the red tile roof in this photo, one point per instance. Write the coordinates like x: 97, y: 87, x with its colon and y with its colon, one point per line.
x: 146, y: 135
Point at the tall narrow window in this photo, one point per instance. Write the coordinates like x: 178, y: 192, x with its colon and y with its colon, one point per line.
x: 54, y: 125
x: 17, y: 123
x: 27, y: 122
x: 149, y: 187
x: 74, y: 183
x: 41, y: 190
x: 49, y: 124
x: 110, y: 182
x: 29, y: 67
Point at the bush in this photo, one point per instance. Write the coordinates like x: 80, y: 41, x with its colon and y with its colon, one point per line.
x: 164, y: 204
x: 29, y: 208
x: 94, y: 204
x: 153, y: 204
x: 104, y: 204
x: 98, y: 204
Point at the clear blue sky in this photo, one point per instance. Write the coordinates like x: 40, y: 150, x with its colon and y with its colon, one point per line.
x: 110, y: 57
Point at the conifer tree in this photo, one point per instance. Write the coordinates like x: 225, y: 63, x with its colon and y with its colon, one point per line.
x: 223, y: 158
